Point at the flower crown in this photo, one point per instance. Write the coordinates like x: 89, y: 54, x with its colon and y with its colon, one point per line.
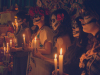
x: 37, y: 10
x: 60, y: 17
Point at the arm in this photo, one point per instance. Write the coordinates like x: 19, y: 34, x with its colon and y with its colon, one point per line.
x: 47, y: 48
x: 13, y: 49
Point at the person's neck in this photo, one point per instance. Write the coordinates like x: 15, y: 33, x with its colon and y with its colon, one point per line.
x: 40, y: 26
x: 96, y: 29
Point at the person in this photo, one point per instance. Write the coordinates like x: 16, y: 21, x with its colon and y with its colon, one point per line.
x: 43, y: 45
x: 19, y: 55
x: 10, y: 29
x: 77, y: 48
x: 60, y: 22
x: 90, y: 61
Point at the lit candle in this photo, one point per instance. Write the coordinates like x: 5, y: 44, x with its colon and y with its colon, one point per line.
x: 24, y: 39
x: 4, y: 50
x: 35, y: 44
x: 7, y: 47
x: 61, y: 62
x: 55, y: 63
x: 10, y: 42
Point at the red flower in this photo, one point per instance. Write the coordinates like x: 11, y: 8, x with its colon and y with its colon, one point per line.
x: 36, y: 10
x: 60, y: 17
x: 41, y: 12
x: 47, y: 11
x: 31, y: 12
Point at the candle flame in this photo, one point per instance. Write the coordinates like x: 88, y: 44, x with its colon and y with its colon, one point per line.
x: 10, y: 40
x: 61, y: 51
x: 23, y: 35
x: 7, y: 44
x: 55, y: 56
x: 15, y: 16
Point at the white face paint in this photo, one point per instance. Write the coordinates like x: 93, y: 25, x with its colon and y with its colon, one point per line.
x: 54, y: 22
x: 75, y: 29
x: 36, y: 20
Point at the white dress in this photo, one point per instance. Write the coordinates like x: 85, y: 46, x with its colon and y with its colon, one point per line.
x: 38, y: 66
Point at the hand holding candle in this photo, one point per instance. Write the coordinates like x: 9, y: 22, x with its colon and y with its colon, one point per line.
x: 55, y: 63
x: 61, y: 62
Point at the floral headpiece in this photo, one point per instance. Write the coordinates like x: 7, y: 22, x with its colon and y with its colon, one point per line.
x: 37, y: 10
x: 60, y: 17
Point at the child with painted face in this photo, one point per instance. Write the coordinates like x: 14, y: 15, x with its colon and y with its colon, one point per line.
x: 19, y: 55
x: 41, y: 44
x: 91, y: 24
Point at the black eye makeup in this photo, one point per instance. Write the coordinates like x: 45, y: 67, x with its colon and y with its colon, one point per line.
x: 93, y: 20
x: 53, y: 20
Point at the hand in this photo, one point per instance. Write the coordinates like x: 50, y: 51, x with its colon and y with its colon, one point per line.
x: 26, y: 47
x: 36, y: 53
x: 81, y: 65
x: 53, y: 73
x: 76, y: 32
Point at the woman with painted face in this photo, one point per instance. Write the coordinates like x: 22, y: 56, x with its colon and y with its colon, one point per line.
x: 19, y: 55
x: 73, y: 53
x: 41, y: 43
x: 78, y: 47
x: 61, y: 25
x: 90, y: 60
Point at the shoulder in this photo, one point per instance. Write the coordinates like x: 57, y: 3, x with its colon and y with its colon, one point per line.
x: 46, y: 28
x: 60, y: 40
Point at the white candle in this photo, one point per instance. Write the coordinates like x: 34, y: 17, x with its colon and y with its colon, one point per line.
x: 10, y: 42
x: 4, y: 50
x: 55, y: 64
x: 35, y: 44
x: 7, y: 47
x: 24, y: 39
x: 61, y: 62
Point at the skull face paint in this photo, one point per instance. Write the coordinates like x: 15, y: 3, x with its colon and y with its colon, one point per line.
x: 54, y: 22
x: 36, y: 20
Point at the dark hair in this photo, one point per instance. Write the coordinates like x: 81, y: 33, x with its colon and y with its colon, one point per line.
x: 65, y: 27
x: 23, y: 15
x: 92, y: 7
x: 39, y: 11
x: 83, y: 37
